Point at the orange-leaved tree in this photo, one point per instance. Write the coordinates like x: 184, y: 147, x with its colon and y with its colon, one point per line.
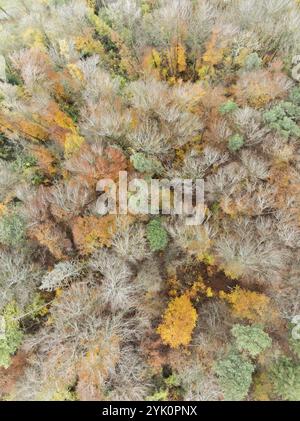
x: 90, y: 232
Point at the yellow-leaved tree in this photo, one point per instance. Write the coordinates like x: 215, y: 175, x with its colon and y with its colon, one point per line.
x: 247, y: 304
x: 178, y: 322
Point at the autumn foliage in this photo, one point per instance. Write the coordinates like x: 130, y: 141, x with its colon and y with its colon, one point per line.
x: 248, y: 305
x: 102, y: 306
x: 178, y: 322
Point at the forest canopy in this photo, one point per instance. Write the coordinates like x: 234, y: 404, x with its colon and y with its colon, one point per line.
x: 112, y: 307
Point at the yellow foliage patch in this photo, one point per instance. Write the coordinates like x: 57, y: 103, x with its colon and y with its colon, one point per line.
x: 75, y: 72
x: 33, y: 37
x: 72, y: 143
x: 64, y: 48
x: 156, y: 58
x: 3, y: 209
x: 178, y: 322
x: 88, y: 45
x: 181, y: 58
x: 59, y: 124
x: 31, y: 130
x: 199, y: 287
x: 91, y: 3
x: 247, y: 304
x: 214, y: 53
x: 176, y: 57
x: 204, y: 72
